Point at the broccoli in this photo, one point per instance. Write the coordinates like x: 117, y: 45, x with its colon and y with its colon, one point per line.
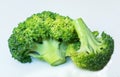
x: 44, y: 36
x: 94, y: 51
x: 51, y: 37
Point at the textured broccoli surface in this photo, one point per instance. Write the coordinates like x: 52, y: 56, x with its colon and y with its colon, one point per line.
x: 94, y: 52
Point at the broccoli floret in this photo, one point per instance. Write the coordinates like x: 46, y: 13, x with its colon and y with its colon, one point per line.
x: 43, y: 36
x: 94, y: 51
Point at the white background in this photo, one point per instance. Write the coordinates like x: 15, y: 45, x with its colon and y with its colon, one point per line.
x: 101, y: 15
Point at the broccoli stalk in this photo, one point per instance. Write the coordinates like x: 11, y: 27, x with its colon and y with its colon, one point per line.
x: 49, y: 51
x: 94, y: 52
x: 88, y: 40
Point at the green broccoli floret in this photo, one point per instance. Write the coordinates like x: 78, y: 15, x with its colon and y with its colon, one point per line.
x: 43, y: 36
x: 94, y: 52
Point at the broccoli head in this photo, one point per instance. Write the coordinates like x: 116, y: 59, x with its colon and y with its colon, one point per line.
x: 94, y: 51
x: 43, y: 36
x: 51, y: 37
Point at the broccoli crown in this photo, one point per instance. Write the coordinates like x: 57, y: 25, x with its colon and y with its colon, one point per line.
x: 36, y: 32
x: 94, y: 52
x: 51, y: 37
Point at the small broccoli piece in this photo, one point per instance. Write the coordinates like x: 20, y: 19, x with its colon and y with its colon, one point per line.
x: 94, y: 52
x: 43, y: 36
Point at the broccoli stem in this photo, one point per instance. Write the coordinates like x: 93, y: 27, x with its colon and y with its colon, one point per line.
x: 49, y: 51
x: 87, y: 39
